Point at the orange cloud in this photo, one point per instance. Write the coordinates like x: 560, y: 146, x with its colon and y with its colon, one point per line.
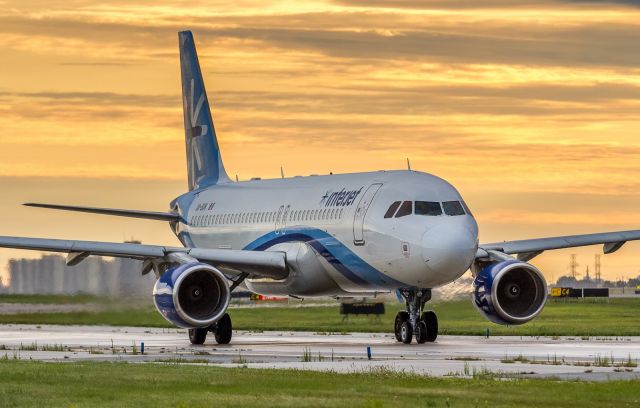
x: 510, y: 103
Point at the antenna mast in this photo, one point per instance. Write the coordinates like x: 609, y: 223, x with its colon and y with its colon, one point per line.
x: 598, y: 269
x: 573, y: 266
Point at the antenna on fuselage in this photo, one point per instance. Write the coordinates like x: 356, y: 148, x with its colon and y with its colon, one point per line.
x: 281, y: 172
x: 408, y: 164
x: 236, y: 178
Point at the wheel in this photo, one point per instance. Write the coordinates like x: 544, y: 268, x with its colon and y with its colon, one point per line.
x: 401, y: 317
x: 421, y: 332
x: 198, y: 336
x: 431, y: 321
x: 406, y: 332
x: 223, y: 330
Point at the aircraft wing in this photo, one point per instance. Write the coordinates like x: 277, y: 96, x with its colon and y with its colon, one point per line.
x: 529, y: 248
x: 269, y: 264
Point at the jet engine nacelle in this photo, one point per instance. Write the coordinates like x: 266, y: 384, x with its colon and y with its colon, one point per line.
x: 509, y: 292
x: 192, y: 295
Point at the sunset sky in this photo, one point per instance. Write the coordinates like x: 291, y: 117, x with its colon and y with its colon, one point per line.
x: 531, y: 108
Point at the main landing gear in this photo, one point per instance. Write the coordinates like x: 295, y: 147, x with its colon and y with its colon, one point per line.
x: 222, y: 331
x: 413, y: 321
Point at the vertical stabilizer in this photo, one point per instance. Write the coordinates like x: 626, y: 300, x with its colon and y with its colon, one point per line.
x: 204, y: 162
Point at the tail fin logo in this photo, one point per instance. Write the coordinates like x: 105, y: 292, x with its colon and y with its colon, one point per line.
x: 196, y: 130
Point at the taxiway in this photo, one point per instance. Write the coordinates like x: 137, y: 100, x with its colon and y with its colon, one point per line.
x: 598, y: 358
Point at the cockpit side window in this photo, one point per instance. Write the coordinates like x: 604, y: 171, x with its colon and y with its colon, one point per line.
x: 392, y: 209
x: 453, y: 208
x: 466, y: 207
x: 428, y: 208
x: 405, y: 209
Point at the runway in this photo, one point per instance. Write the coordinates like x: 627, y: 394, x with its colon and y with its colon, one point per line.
x: 460, y: 356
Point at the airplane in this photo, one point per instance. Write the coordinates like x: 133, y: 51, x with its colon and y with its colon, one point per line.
x: 338, y: 235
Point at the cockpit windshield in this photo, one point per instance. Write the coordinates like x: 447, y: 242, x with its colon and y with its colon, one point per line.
x: 426, y: 208
x: 453, y: 208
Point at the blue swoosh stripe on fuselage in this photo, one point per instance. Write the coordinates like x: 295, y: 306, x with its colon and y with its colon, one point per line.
x: 339, y: 256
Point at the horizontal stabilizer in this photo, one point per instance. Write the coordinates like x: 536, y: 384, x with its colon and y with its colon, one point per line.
x: 149, y: 215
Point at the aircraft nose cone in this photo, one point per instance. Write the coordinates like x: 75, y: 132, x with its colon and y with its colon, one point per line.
x: 449, y: 249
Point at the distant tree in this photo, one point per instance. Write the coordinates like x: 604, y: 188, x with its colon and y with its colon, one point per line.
x: 566, y: 281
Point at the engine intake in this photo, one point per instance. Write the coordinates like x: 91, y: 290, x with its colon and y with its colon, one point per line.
x: 192, y: 295
x: 510, y: 292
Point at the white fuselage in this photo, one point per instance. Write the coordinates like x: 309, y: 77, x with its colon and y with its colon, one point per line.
x: 334, y: 231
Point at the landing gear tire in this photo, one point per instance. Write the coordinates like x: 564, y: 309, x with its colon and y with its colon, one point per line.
x: 198, y: 336
x: 401, y: 317
x: 223, y: 330
x: 430, y: 320
x: 421, y: 332
x: 406, y: 332
x: 413, y: 320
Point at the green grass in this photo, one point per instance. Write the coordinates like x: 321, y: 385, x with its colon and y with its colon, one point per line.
x: 52, y: 299
x: 39, y: 384
x: 584, y: 318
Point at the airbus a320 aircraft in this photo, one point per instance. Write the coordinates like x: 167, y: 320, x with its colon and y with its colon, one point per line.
x: 347, y: 235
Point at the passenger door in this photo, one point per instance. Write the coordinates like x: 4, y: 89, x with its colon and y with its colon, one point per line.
x: 361, y: 211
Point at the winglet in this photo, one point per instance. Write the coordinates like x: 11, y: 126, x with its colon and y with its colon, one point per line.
x: 204, y: 162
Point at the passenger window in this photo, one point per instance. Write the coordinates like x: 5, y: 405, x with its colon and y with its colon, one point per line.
x: 405, y: 209
x: 428, y: 208
x: 392, y: 210
x: 453, y: 208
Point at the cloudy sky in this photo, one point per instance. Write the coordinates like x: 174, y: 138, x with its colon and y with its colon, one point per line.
x: 531, y: 108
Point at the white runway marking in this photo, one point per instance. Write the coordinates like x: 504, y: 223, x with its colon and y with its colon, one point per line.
x: 598, y: 358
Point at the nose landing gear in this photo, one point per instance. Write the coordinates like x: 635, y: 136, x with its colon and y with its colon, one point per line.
x: 413, y: 321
